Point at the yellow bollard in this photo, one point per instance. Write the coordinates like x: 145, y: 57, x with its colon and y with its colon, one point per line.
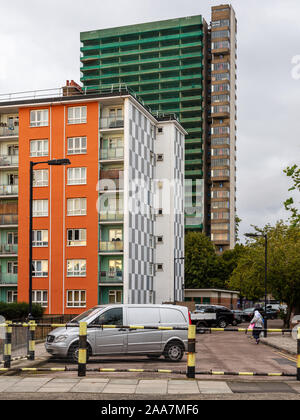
x: 191, y: 357
x: 82, y: 349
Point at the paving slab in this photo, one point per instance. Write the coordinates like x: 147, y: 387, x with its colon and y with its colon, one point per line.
x: 183, y: 387
x: 117, y: 388
x: 214, y: 387
x: 152, y: 387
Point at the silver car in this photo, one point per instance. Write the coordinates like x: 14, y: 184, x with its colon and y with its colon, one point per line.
x: 64, y: 341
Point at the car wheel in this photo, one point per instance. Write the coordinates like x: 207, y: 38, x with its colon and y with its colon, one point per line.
x: 73, y: 352
x: 174, y: 351
x: 234, y: 323
x: 199, y: 327
x: 222, y: 323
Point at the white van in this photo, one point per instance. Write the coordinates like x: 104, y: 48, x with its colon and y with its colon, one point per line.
x: 63, y: 342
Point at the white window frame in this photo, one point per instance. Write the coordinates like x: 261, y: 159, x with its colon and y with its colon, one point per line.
x: 76, y: 145
x: 76, y: 176
x: 12, y: 267
x: 14, y: 296
x: 114, y: 294
x: 72, y: 303
x: 73, y: 209
x: 76, y: 268
x: 77, y: 115
x: 42, y: 269
x: 76, y: 242
x: 39, y: 118
x: 44, y: 297
x: 14, y: 238
x: 40, y: 208
x: 39, y: 148
x: 41, y: 242
x: 40, y: 177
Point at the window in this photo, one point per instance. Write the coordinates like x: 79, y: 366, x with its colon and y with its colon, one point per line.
x: 220, y: 226
x: 76, y: 237
x: 159, y: 240
x: 220, y: 173
x: 115, y: 296
x: 40, y: 268
x: 40, y: 178
x: 76, y: 298
x: 220, y: 237
x: 220, y: 23
x: 220, y: 45
x: 220, y: 76
x: 115, y: 268
x: 220, y: 130
x: 220, y: 152
x: 76, y: 206
x: 40, y: 238
x: 220, y: 204
x: 220, y: 98
x: 77, y: 115
x: 160, y: 157
x: 38, y: 148
x: 220, y: 34
x: 159, y: 267
x: 220, y: 109
x: 76, y: 176
x: 40, y: 297
x: 220, y: 141
x: 219, y: 162
x: 220, y: 194
x: 76, y: 145
x: 12, y: 267
x: 221, y: 87
x: 12, y: 296
x: 112, y: 316
x: 151, y: 269
x: 76, y: 268
x: 12, y: 238
x: 160, y: 130
x: 39, y: 118
x: 218, y: 216
x: 40, y: 208
x: 221, y: 66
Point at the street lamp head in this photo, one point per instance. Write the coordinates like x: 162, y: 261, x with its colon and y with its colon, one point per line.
x: 59, y: 162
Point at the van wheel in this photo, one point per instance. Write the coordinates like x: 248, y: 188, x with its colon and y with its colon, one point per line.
x: 74, y: 352
x: 174, y: 351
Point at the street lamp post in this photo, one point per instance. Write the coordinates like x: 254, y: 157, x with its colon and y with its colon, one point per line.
x: 175, y: 259
x: 264, y: 235
x: 53, y: 162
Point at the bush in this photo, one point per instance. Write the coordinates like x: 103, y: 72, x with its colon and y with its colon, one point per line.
x: 19, y: 311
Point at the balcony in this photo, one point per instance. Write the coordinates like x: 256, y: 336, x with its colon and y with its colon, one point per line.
x: 9, y: 131
x: 8, y: 249
x: 111, y: 123
x: 112, y: 154
x: 9, y: 190
x: 8, y: 219
x: 111, y: 277
x: 7, y: 279
x: 111, y: 216
x: 111, y: 247
x: 8, y: 161
x: 111, y: 180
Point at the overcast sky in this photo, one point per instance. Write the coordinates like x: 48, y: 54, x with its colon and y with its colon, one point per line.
x: 40, y: 49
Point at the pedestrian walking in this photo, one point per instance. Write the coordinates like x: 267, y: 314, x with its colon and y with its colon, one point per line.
x: 258, y: 322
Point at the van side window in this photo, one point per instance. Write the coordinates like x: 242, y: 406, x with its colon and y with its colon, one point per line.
x: 111, y: 317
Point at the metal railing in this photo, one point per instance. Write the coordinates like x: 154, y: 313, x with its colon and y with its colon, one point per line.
x: 111, y: 122
x: 111, y: 277
x: 8, y: 249
x: 8, y: 219
x: 9, y: 131
x: 113, y: 246
x: 111, y: 216
x: 9, y: 189
x: 9, y: 160
x: 113, y: 153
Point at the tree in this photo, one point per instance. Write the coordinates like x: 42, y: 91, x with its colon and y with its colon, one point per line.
x: 294, y: 173
x: 203, y: 267
x: 283, y: 267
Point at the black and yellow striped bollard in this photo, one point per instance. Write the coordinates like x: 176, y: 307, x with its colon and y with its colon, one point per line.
x: 7, y: 345
x: 82, y: 349
x: 191, y: 357
x: 31, y: 344
x: 298, y: 355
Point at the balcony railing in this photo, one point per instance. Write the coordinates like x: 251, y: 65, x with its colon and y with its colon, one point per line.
x: 7, y: 278
x: 8, y: 219
x: 7, y: 249
x: 7, y: 160
x: 115, y: 153
x: 111, y: 122
x: 9, y: 190
x: 111, y: 216
x: 111, y: 277
x: 113, y: 246
x: 9, y: 131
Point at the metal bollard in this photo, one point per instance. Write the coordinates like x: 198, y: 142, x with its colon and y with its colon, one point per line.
x: 298, y: 355
x: 31, y: 343
x: 82, y: 349
x: 7, y: 345
x: 191, y: 357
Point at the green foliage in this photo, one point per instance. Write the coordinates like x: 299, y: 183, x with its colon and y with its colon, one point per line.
x: 294, y: 173
x: 19, y: 311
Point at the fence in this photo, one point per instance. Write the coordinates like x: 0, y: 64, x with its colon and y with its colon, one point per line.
x: 190, y: 372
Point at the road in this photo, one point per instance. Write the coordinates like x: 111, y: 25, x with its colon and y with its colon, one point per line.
x: 218, y: 351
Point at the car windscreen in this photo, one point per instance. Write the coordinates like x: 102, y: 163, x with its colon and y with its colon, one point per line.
x: 85, y: 315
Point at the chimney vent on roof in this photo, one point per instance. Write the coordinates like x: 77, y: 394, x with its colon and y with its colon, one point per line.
x: 72, y: 88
